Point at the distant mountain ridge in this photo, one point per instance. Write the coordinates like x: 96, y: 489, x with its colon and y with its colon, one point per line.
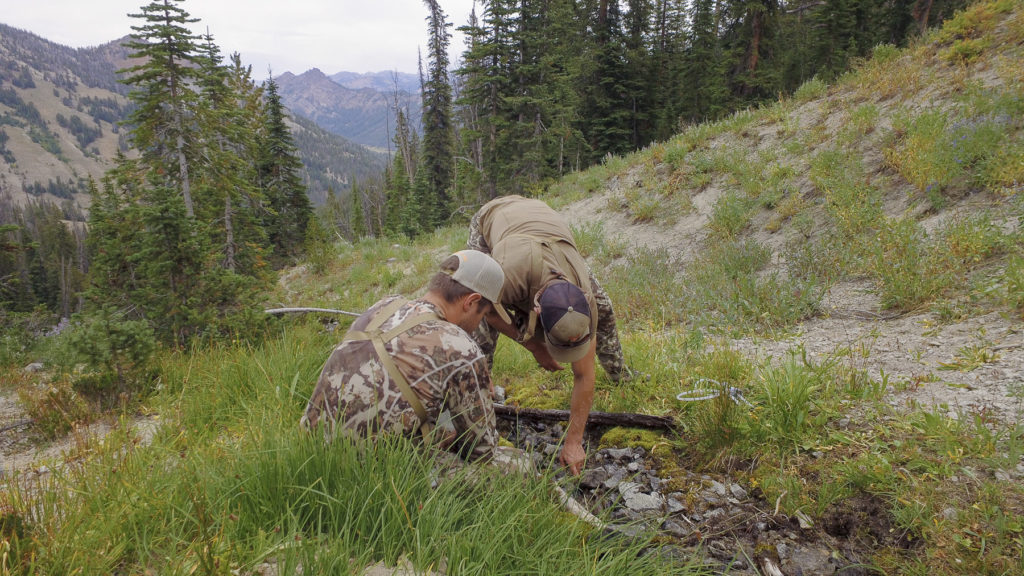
x: 362, y: 115
x: 60, y: 110
x: 385, y: 82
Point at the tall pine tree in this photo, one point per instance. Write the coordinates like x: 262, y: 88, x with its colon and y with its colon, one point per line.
x: 438, y: 152
x: 287, y: 212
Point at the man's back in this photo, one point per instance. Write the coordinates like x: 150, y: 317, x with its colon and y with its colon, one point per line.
x: 508, y: 215
x: 441, y: 363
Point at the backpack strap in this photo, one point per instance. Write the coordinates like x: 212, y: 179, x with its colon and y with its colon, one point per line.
x: 373, y: 333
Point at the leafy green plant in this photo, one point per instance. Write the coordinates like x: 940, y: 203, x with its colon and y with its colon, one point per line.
x: 786, y: 400
x: 884, y: 53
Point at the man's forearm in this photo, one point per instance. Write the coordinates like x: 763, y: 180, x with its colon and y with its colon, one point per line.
x: 582, y: 399
x: 501, y: 326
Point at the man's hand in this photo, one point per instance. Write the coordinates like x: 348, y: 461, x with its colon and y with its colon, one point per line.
x: 541, y: 354
x: 573, y: 457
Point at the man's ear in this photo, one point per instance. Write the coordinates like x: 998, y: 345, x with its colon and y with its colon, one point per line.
x: 471, y: 300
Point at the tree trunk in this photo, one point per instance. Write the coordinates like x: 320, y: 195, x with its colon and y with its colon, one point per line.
x: 229, y: 232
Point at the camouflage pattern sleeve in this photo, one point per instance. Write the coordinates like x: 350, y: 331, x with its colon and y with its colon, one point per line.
x: 472, y: 409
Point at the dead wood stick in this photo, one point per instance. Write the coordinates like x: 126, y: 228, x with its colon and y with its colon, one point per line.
x: 303, y: 310
x: 599, y: 418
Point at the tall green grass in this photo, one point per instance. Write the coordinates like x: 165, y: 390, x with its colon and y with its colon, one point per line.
x: 230, y: 482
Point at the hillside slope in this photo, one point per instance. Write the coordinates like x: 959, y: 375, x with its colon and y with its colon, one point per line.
x: 365, y: 115
x: 59, y: 114
x: 60, y: 110
x: 895, y: 196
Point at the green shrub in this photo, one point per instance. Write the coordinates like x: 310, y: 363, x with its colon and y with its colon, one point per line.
x: 786, y: 405
x: 900, y: 266
x: 884, y: 53
x: 810, y: 90
x: 115, y: 352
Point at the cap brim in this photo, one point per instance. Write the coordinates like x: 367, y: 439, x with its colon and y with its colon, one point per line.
x: 567, y: 355
x: 500, y: 311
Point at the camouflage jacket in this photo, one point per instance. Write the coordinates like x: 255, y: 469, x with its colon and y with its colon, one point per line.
x: 444, y: 367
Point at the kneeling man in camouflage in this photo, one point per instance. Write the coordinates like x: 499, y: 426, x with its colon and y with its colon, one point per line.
x: 411, y: 367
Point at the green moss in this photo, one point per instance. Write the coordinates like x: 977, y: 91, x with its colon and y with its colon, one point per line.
x: 619, y: 437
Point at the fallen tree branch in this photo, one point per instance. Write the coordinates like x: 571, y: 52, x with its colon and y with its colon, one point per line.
x: 304, y: 310
x: 596, y: 418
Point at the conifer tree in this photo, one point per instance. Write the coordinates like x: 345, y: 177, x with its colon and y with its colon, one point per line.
x: 163, y: 120
x: 438, y: 152
x: 173, y: 233
x: 607, y: 104
x: 288, y: 208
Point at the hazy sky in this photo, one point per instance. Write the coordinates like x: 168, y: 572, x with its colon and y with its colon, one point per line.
x: 287, y: 35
